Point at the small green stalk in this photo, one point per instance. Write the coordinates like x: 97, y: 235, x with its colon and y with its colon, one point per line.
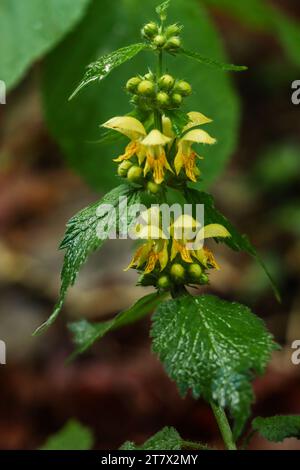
x: 223, y: 426
x: 157, y: 114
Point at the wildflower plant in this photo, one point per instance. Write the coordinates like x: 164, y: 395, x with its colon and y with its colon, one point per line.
x: 207, y: 345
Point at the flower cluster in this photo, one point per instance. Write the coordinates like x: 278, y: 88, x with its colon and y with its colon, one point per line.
x: 174, y: 255
x: 160, y: 154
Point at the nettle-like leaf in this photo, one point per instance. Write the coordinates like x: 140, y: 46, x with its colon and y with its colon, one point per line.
x: 212, y: 347
x: 162, y: 9
x: 166, y: 439
x: 212, y: 62
x: 237, y: 241
x: 277, y: 428
x: 105, y: 65
x: 73, y: 436
x: 85, y: 333
x: 82, y: 237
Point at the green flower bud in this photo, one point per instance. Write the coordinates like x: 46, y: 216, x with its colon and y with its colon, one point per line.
x: 173, y: 43
x: 183, y: 88
x: 166, y: 82
x: 159, y: 40
x: 204, y: 278
x: 149, y: 76
x: 163, y: 282
x: 172, y: 30
x: 132, y: 84
x: 177, y: 272
x: 162, y: 99
x: 123, y: 168
x: 153, y: 187
x: 146, y: 88
x: 176, y: 99
x: 150, y: 30
x: 135, y: 174
x: 195, y: 271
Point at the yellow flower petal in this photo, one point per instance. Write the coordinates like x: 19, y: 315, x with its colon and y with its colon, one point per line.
x: 130, y: 150
x: 163, y: 256
x: 185, y: 254
x: 127, y: 125
x: 196, y: 119
x: 206, y: 257
x: 211, y: 231
x: 198, y: 136
x: 167, y: 127
x: 178, y: 162
x: 152, y: 260
x: 155, y: 137
x: 140, y: 256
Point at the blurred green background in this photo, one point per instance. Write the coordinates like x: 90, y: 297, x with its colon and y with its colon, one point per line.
x: 51, y: 166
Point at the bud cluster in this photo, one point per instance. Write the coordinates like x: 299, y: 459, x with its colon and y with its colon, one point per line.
x: 164, y: 93
x: 163, y: 38
x: 179, y: 274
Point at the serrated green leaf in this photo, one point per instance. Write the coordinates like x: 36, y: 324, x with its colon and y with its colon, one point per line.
x: 73, y: 436
x: 105, y: 65
x: 75, y: 124
x: 85, y: 334
x: 211, y: 346
x: 162, y: 9
x: 237, y: 241
x: 166, y: 439
x: 81, y: 239
x: 278, y: 428
x: 30, y: 29
x: 212, y: 62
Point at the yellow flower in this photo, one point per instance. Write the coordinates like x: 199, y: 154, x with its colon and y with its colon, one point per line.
x: 134, y: 130
x: 155, y: 154
x: 185, y: 242
x: 156, y: 249
x: 185, y: 156
x: 203, y: 254
x: 182, y: 231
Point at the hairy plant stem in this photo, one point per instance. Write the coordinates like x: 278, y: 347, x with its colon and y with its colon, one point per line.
x: 224, y: 427
x: 157, y: 113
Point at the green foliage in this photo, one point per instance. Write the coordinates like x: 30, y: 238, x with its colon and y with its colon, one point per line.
x: 212, y: 63
x: 30, y: 29
x: 75, y: 124
x: 212, y: 346
x: 162, y: 9
x: 277, y: 428
x: 166, y: 439
x: 179, y: 119
x: 237, y: 241
x: 260, y: 14
x: 105, y: 65
x: 81, y: 239
x: 73, y: 436
x: 85, y: 333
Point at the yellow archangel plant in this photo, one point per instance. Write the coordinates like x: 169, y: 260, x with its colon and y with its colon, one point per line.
x: 208, y: 345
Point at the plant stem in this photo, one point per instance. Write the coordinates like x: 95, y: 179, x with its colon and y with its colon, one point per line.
x: 194, y: 445
x: 157, y: 114
x: 223, y: 426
